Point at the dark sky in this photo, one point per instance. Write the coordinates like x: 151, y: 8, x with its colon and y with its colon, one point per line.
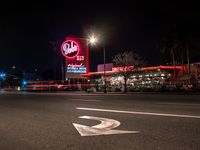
x: 31, y: 31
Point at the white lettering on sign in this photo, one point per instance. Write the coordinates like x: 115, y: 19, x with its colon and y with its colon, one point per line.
x: 104, y: 128
x: 80, y: 58
x: 75, y: 65
x: 69, y: 48
x: 76, y: 69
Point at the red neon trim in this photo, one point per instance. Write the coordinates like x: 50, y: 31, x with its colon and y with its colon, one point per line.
x: 101, y: 72
x: 56, y: 85
x: 140, y: 69
x: 87, y: 57
x: 161, y: 67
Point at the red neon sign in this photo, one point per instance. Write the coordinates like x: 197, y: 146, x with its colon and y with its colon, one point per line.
x: 70, y: 49
x: 126, y: 68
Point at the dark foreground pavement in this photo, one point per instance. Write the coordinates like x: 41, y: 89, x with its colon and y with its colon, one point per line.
x: 41, y: 121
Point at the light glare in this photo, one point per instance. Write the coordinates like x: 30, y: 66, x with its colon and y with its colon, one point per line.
x: 93, y: 40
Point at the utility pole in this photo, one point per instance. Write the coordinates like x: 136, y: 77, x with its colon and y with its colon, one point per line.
x: 104, y: 61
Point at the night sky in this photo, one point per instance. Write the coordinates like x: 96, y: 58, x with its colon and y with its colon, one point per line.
x: 31, y: 31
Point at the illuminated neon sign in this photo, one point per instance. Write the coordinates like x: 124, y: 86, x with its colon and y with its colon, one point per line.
x: 70, y: 49
x: 75, y: 51
x: 76, y: 69
x: 126, y: 68
x: 75, y: 65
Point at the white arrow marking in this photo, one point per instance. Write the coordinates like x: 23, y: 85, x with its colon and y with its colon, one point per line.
x: 104, y: 128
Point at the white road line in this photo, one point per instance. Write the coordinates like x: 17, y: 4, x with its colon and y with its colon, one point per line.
x: 86, y: 100
x: 91, y: 100
x: 140, y: 113
x: 184, y: 104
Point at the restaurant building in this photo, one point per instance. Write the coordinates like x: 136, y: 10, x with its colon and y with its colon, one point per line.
x: 75, y: 52
x: 147, y: 77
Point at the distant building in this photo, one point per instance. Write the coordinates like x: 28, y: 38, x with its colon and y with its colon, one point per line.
x: 108, y: 67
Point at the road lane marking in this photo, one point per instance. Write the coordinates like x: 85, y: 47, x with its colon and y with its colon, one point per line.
x: 139, y: 113
x: 86, y: 100
x: 104, y: 128
x: 91, y: 100
x: 182, y: 104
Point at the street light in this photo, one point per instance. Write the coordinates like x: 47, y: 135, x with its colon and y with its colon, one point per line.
x: 24, y: 83
x: 93, y: 40
x: 2, y: 75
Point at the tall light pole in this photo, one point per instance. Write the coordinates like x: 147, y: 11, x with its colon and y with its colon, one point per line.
x: 93, y: 40
x: 104, y: 68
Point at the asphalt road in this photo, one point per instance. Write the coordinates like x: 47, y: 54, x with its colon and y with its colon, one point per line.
x: 75, y: 121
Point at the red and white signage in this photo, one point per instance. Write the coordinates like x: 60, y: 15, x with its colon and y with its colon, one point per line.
x: 75, y: 50
x: 70, y: 49
x: 126, y: 68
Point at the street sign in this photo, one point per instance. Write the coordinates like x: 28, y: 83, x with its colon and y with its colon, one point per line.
x: 104, y: 128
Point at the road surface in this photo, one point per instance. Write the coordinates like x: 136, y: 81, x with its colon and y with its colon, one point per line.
x: 76, y: 121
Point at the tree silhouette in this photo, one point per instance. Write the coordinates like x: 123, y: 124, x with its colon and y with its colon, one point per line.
x: 127, y: 62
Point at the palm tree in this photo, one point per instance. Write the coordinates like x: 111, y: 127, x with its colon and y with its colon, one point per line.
x: 170, y: 44
x: 182, y: 39
x: 126, y: 61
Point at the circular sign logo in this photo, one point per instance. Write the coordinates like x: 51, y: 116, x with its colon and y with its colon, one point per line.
x: 70, y: 49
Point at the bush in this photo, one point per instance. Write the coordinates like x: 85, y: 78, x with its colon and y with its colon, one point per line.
x: 53, y: 88
x: 91, y: 90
